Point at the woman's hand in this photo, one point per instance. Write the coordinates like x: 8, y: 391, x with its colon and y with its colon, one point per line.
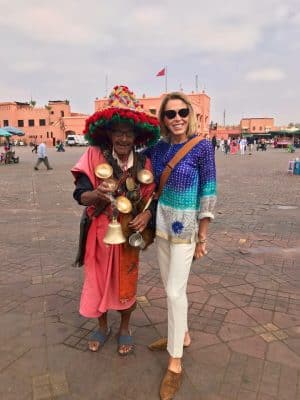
x: 140, y: 222
x: 200, y: 250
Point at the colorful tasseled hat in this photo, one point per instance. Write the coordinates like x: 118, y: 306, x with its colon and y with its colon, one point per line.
x: 123, y: 106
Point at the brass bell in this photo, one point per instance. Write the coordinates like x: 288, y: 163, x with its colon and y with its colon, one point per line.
x: 103, y: 171
x: 123, y: 205
x: 114, y: 234
x: 145, y: 176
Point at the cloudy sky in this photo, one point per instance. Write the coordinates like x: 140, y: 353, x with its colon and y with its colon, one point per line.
x: 246, y: 53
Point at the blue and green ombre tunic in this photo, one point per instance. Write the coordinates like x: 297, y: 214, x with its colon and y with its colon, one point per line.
x: 190, y: 192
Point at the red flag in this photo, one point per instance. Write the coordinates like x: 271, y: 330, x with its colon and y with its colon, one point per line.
x: 161, y: 72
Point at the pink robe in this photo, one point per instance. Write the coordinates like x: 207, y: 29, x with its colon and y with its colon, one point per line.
x: 101, y: 290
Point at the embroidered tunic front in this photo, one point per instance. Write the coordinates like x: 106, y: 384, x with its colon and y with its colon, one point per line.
x: 190, y: 192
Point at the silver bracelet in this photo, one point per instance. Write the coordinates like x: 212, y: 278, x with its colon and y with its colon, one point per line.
x: 202, y: 241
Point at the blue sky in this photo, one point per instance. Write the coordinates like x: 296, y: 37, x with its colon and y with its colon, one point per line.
x: 245, y: 52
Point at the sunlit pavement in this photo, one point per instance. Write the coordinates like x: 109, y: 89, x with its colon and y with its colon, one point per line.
x: 244, y: 296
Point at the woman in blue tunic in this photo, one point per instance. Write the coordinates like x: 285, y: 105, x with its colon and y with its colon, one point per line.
x: 184, y: 211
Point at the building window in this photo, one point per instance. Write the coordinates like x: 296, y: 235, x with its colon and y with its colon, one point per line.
x: 47, y: 135
x: 20, y: 123
x: 153, y: 111
x: 51, y: 134
x: 253, y: 128
x: 52, y: 112
x: 31, y: 122
x: 260, y: 128
x: 5, y: 122
x: 42, y: 122
x: 62, y: 114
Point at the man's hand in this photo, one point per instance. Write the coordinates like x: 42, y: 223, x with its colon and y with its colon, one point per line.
x: 97, y: 195
x: 140, y: 222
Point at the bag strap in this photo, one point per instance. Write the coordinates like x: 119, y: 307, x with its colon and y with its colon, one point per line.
x: 174, y: 161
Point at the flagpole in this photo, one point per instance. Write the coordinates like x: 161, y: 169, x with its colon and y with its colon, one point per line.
x: 166, y: 79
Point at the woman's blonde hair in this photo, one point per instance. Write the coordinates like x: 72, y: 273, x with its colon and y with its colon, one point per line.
x: 192, y: 123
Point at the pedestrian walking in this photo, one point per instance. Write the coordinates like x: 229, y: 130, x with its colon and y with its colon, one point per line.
x: 42, y: 156
x: 111, y: 271
x: 184, y: 210
x: 222, y: 145
x: 226, y: 146
x: 243, y: 146
x: 214, y: 142
x: 233, y: 146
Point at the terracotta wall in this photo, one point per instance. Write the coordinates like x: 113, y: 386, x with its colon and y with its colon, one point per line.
x: 200, y: 102
x: 257, y: 125
x: 50, y: 123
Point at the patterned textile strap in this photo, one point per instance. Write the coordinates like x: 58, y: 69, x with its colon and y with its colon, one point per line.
x: 128, y: 267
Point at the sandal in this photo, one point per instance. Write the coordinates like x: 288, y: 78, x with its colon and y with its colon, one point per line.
x: 161, y: 345
x: 99, y: 338
x: 125, y: 341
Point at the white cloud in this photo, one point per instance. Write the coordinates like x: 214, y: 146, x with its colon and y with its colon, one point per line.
x: 65, y: 48
x: 266, y: 74
x: 27, y: 66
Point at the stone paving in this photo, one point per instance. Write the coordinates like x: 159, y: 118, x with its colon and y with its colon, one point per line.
x: 244, y: 295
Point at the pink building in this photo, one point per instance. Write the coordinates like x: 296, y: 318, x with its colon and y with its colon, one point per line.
x: 257, y: 125
x: 56, y: 121
x: 50, y: 123
x: 200, y: 102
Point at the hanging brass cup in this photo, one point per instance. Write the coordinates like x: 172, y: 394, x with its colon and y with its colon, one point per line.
x: 123, y: 205
x: 136, y: 239
x: 145, y: 176
x: 103, y: 171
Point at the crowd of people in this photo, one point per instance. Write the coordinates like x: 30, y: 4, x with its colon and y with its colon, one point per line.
x: 239, y: 145
x: 8, y: 156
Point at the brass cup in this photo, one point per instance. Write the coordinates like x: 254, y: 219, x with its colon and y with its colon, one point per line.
x: 103, y: 171
x: 112, y: 184
x: 130, y: 184
x: 123, y: 205
x: 145, y: 176
x: 136, y: 240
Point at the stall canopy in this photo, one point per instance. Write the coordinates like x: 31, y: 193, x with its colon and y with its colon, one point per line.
x: 4, y: 133
x: 285, y: 133
x: 14, y: 131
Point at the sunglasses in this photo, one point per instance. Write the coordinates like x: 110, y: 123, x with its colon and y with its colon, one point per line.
x: 171, y: 114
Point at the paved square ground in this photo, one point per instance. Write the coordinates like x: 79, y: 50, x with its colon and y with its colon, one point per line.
x: 244, y: 295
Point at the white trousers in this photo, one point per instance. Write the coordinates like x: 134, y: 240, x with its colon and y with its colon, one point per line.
x: 175, y: 260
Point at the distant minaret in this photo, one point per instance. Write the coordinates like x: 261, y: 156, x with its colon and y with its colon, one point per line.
x: 196, y: 83
x: 224, y: 117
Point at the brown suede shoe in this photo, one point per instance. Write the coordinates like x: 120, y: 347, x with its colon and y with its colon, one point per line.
x: 161, y: 345
x: 170, y: 385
